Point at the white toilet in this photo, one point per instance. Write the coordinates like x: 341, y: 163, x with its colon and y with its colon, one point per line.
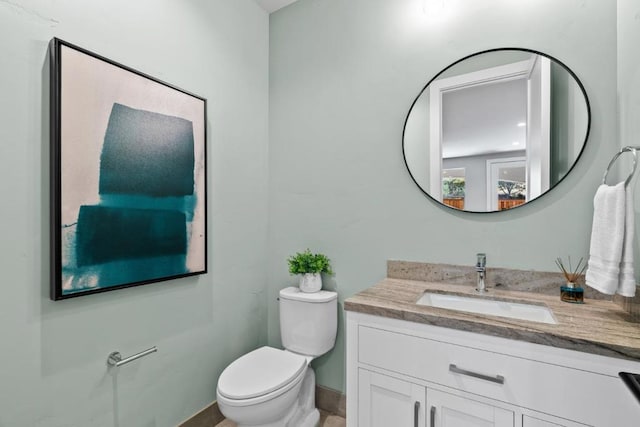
x: 269, y: 387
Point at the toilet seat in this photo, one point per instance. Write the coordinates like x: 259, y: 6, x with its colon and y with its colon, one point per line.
x: 257, y: 375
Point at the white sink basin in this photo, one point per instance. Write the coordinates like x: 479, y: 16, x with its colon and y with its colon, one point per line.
x: 483, y: 305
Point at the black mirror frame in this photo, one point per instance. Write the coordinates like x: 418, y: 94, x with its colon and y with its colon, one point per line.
x: 584, y: 144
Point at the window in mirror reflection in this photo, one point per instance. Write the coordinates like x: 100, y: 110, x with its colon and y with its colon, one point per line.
x: 453, y: 183
x: 508, y: 181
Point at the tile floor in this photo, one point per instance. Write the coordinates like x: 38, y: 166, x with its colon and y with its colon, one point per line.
x: 326, y: 420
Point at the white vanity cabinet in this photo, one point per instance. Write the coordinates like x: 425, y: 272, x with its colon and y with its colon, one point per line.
x: 385, y: 401
x: 403, y: 373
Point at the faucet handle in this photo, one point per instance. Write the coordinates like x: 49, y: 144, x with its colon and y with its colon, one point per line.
x: 482, y: 260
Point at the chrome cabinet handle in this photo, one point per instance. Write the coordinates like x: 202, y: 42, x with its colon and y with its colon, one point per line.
x: 494, y: 379
x: 433, y: 417
x: 416, y: 413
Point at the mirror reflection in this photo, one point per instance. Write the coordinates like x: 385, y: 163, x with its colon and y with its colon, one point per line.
x: 496, y: 130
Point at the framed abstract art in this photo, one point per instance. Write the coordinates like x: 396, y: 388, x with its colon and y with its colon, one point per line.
x: 128, y: 176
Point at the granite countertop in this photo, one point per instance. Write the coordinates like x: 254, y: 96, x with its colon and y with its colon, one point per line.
x: 597, y: 327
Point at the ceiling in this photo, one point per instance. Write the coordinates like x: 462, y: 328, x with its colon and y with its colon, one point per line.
x: 484, y: 119
x: 273, y: 5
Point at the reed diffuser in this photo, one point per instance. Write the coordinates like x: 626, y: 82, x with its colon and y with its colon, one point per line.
x: 571, y: 292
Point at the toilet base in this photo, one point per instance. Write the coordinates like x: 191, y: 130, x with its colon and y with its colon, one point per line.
x: 303, y: 413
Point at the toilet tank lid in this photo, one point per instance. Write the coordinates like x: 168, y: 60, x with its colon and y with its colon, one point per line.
x: 294, y: 293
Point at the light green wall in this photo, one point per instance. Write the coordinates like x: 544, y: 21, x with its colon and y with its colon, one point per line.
x: 343, y: 75
x: 629, y: 72
x: 53, y: 359
x: 569, y: 121
x: 629, y: 98
x: 415, y: 147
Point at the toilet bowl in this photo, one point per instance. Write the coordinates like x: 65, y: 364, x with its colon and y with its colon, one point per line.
x: 269, y: 387
x: 262, y: 388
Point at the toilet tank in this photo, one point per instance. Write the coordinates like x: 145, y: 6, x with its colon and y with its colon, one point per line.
x: 308, y: 321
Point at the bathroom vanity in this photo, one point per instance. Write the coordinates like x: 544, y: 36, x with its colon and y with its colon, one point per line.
x: 420, y: 365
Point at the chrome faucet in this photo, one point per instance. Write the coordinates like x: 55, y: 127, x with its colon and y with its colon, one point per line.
x: 481, y: 269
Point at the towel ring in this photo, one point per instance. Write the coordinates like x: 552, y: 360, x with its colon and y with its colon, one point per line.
x: 634, y: 151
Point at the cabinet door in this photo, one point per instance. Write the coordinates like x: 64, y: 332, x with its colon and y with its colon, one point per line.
x: 385, y: 401
x: 448, y: 410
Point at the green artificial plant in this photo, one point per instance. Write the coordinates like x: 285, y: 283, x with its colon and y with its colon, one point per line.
x: 306, y: 262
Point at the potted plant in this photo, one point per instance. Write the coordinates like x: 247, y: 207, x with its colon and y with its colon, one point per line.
x: 309, y: 266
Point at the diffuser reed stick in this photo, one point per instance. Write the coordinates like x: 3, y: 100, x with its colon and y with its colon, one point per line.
x: 570, y: 274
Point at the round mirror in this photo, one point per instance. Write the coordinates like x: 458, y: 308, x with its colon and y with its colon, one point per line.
x: 496, y: 130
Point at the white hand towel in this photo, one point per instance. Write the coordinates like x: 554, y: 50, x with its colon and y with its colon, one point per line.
x: 627, y: 285
x: 607, y: 231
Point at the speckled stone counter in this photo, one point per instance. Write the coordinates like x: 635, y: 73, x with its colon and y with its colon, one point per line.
x: 597, y: 327
x: 540, y: 282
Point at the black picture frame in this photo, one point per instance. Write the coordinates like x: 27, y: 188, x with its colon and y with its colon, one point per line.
x: 128, y: 169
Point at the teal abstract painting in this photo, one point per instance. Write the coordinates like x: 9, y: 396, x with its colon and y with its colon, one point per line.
x: 128, y: 173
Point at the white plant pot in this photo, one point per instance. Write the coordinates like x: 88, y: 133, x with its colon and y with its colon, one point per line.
x: 310, y: 282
